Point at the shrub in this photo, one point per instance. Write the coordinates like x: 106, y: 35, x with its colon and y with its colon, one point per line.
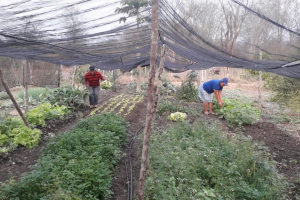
x: 286, y: 91
x: 188, y: 91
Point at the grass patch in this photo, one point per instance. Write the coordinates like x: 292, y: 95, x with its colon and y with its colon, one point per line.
x: 199, y: 162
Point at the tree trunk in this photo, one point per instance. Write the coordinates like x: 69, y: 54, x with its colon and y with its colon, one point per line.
x: 13, y: 100
x: 150, y: 106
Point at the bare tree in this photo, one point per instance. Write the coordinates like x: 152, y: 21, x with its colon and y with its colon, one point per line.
x: 234, y: 19
x: 204, y: 17
x: 133, y: 8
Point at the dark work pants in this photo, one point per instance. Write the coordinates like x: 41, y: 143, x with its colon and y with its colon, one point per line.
x: 94, y: 95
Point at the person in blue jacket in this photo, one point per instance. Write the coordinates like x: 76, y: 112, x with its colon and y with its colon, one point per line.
x: 207, y: 89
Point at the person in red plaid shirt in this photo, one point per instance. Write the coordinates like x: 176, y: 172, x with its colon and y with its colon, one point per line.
x: 92, y: 82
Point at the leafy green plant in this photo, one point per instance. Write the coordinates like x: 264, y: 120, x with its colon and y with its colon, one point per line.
x: 25, y: 136
x: 236, y: 113
x: 9, y: 124
x: 13, y: 132
x: 3, y: 139
x: 167, y: 87
x: 177, y: 116
x: 188, y: 91
x: 39, y: 114
x: 73, y: 98
x: 105, y: 85
x: 199, y: 162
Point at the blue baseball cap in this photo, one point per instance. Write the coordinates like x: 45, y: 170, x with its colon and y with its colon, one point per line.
x: 224, y: 80
x: 92, y: 68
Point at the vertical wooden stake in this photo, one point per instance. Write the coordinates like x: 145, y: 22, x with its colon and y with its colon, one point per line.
x: 74, y: 76
x: 60, y: 75
x: 160, y: 71
x: 13, y: 99
x: 139, y: 79
x: 25, y: 83
x: 150, y: 106
x: 260, y: 85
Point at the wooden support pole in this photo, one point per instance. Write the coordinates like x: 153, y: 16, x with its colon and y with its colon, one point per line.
x: 260, y: 85
x: 150, y: 106
x: 13, y: 100
x: 139, y: 78
x: 74, y: 76
x: 60, y: 75
x: 160, y: 71
x: 25, y: 83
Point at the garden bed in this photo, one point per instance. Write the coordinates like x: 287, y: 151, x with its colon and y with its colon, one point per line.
x: 282, y: 145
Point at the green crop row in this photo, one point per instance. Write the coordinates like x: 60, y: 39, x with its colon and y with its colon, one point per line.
x: 75, y: 165
x: 118, y: 104
x: 199, y: 162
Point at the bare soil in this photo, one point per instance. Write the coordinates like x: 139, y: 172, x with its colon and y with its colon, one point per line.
x: 283, y: 146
